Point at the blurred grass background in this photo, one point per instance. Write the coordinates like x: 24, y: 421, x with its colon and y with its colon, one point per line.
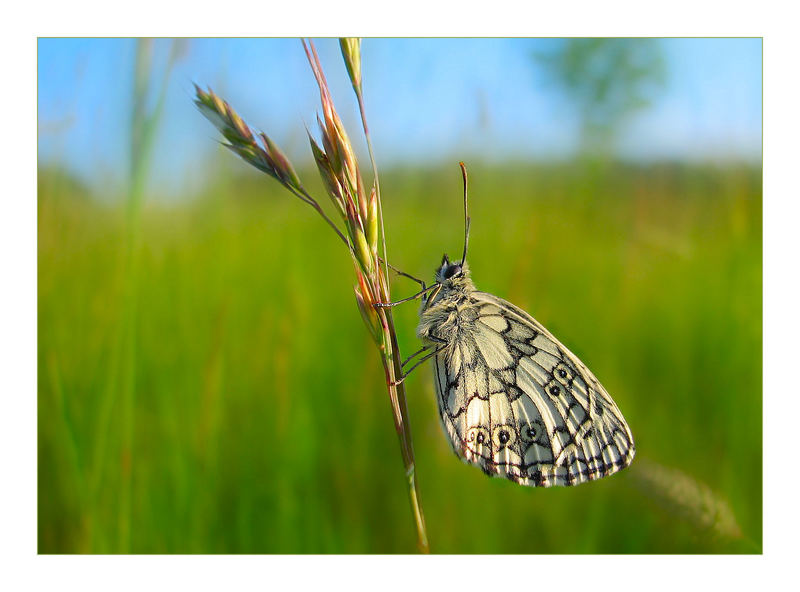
x: 206, y: 385
x: 261, y: 423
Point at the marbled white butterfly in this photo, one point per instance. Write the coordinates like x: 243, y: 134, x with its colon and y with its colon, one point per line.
x: 512, y: 399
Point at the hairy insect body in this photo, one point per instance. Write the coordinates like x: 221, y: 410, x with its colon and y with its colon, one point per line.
x: 512, y: 399
x: 447, y: 312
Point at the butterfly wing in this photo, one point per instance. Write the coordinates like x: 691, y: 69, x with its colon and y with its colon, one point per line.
x: 518, y: 404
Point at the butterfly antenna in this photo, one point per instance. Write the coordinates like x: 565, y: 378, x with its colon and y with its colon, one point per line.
x: 466, y: 213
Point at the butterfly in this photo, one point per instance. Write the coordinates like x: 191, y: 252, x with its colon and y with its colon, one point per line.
x: 513, y: 400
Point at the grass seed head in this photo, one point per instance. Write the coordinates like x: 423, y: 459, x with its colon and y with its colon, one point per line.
x: 373, y: 220
x: 266, y: 157
x: 687, y: 498
x: 280, y: 163
x: 351, y: 52
x: 365, y: 302
x: 338, y: 167
x: 326, y: 172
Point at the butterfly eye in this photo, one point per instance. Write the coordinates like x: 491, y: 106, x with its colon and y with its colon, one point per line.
x: 451, y: 271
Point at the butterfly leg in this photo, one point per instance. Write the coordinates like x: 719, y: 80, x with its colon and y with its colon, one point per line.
x: 415, y: 354
x: 403, y: 273
x: 414, y: 297
x: 437, y: 348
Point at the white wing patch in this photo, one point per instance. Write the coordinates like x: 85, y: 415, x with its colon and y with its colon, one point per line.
x: 518, y: 404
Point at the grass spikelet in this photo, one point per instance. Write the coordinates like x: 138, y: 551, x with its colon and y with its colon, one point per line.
x: 351, y: 52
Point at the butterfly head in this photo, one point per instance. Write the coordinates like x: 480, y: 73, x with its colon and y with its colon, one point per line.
x: 452, y: 273
x: 452, y: 282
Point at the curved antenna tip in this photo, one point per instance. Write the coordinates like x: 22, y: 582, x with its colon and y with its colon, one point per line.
x: 466, y: 213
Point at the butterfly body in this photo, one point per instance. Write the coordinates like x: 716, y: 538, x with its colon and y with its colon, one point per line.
x: 512, y: 399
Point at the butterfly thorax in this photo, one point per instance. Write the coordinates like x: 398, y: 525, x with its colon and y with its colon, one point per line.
x: 448, y: 308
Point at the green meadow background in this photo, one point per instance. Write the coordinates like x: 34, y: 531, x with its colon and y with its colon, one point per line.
x: 206, y: 384
x: 257, y: 419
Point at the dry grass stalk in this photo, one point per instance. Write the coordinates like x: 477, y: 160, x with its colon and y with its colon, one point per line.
x: 359, y: 211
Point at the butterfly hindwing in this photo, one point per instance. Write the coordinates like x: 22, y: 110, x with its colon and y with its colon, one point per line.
x: 518, y: 404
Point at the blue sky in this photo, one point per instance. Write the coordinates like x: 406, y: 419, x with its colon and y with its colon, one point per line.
x: 428, y: 100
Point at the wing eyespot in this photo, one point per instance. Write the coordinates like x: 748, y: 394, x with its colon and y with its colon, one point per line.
x: 563, y: 374
x: 532, y: 432
x: 477, y: 436
x: 504, y: 436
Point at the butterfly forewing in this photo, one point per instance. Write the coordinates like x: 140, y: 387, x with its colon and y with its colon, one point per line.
x: 518, y: 404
